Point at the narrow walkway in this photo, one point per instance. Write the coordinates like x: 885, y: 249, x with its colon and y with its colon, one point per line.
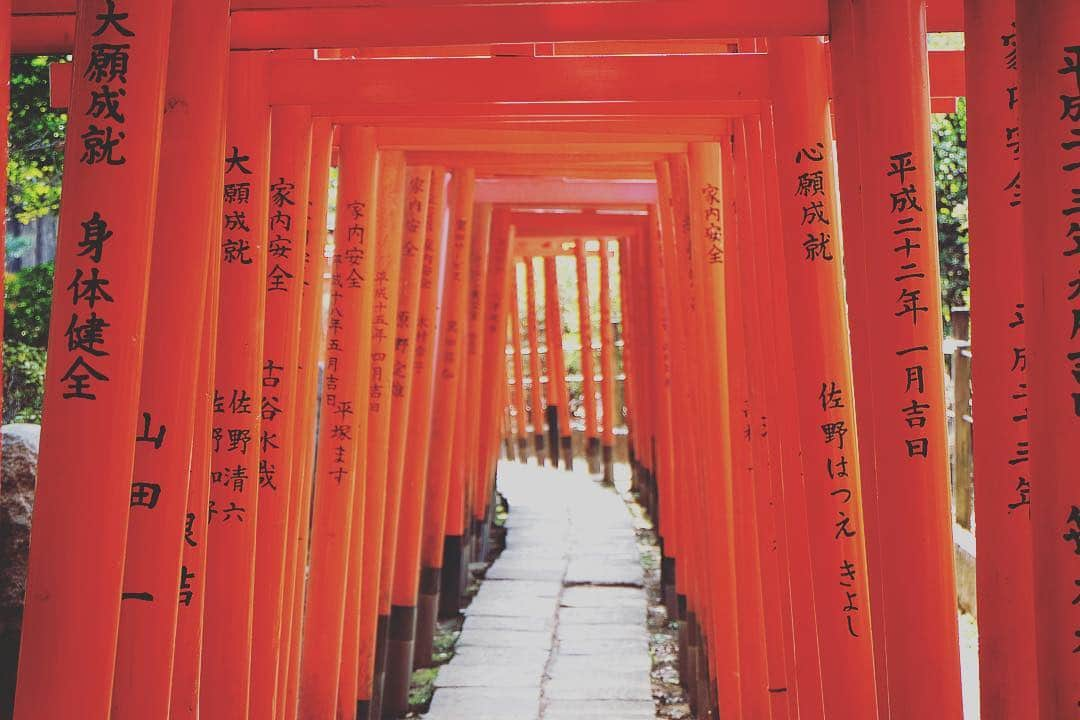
x: 557, y: 630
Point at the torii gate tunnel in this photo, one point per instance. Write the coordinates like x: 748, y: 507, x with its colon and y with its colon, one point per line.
x: 300, y: 255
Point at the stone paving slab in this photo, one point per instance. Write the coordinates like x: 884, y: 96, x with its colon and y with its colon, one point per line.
x: 558, y: 628
x: 600, y: 710
x: 591, y: 596
x: 506, y: 639
x: 485, y: 703
x: 503, y: 675
x: 510, y: 623
x: 600, y: 615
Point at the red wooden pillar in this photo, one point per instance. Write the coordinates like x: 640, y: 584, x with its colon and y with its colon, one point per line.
x: 903, y: 344
x: 650, y: 270
x: 1007, y: 665
x: 460, y: 527
x: 344, y: 396
x: 401, y: 623
x: 1049, y: 43
x: 188, y: 196
x: 187, y: 656
x: 290, y: 167
x: 607, y: 365
x: 403, y: 653
x: 91, y: 393
x: 559, y: 432
x: 536, y: 403
x: 235, y: 436
x: 388, y: 252
x: 493, y: 395
x: 853, y: 130
x: 445, y: 419
x: 710, y: 226
x: 588, y: 383
x: 311, y: 350
x: 521, y: 430
x: 812, y: 254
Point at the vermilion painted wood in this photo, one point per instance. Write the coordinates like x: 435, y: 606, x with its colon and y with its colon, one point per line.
x: 853, y: 129
x: 338, y: 504
x: 238, y: 391
x: 415, y: 488
x: 1008, y: 681
x: 450, y: 369
x: 312, y: 348
x: 548, y: 224
x: 234, y: 470
x: 1048, y: 36
x: 189, y: 194
x: 916, y: 560
x: 341, y: 23
x: 387, y: 279
x: 818, y: 318
x: 462, y: 492
x: 588, y: 385
x: 558, y: 393
x: 521, y: 429
x: 492, y: 401
x: 710, y: 226
x: 290, y: 168
x: 73, y: 585
x: 536, y: 399
x: 187, y: 655
x: 607, y: 349
x: 413, y: 254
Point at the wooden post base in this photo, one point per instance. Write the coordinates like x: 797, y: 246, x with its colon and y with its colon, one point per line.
x: 400, y: 650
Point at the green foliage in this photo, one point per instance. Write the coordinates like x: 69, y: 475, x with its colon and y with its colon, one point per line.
x: 36, y: 141
x: 27, y: 306
x: 24, y: 380
x: 951, y: 186
x: 26, y: 335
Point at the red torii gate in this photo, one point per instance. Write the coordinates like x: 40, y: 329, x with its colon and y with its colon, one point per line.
x: 718, y: 266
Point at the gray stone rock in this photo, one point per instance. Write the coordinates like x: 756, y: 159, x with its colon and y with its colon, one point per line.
x: 20, y: 456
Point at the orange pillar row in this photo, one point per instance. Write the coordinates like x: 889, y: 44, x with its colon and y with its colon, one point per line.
x: 1005, y: 592
x: 460, y: 526
x: 853, y: 130
x: 189, y: 193
x: 903, y: 345
x: 446, y: 422
x: 387, y: 277
x: 684, y: 459
x: 650, y: 269
x: 405, y: 653
x: 607, y: 366
x: 813, y: 253
x: 290, y: 167
x: 757, y: 638
x: 310, y: 354
x: 710, y: 224
x: 493, y: 395
x: 536, y: 402
x: 520, y: 429
x: 187, y: 655
x: 344, y: 395
x: 1048, y: 36
x: 588, y: 373
x: 558, y: 412
x: 401, y: 623
x: 235, y: 435
x: 91, y: 390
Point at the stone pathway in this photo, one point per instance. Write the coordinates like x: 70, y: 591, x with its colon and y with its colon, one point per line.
x: 557, y: 630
